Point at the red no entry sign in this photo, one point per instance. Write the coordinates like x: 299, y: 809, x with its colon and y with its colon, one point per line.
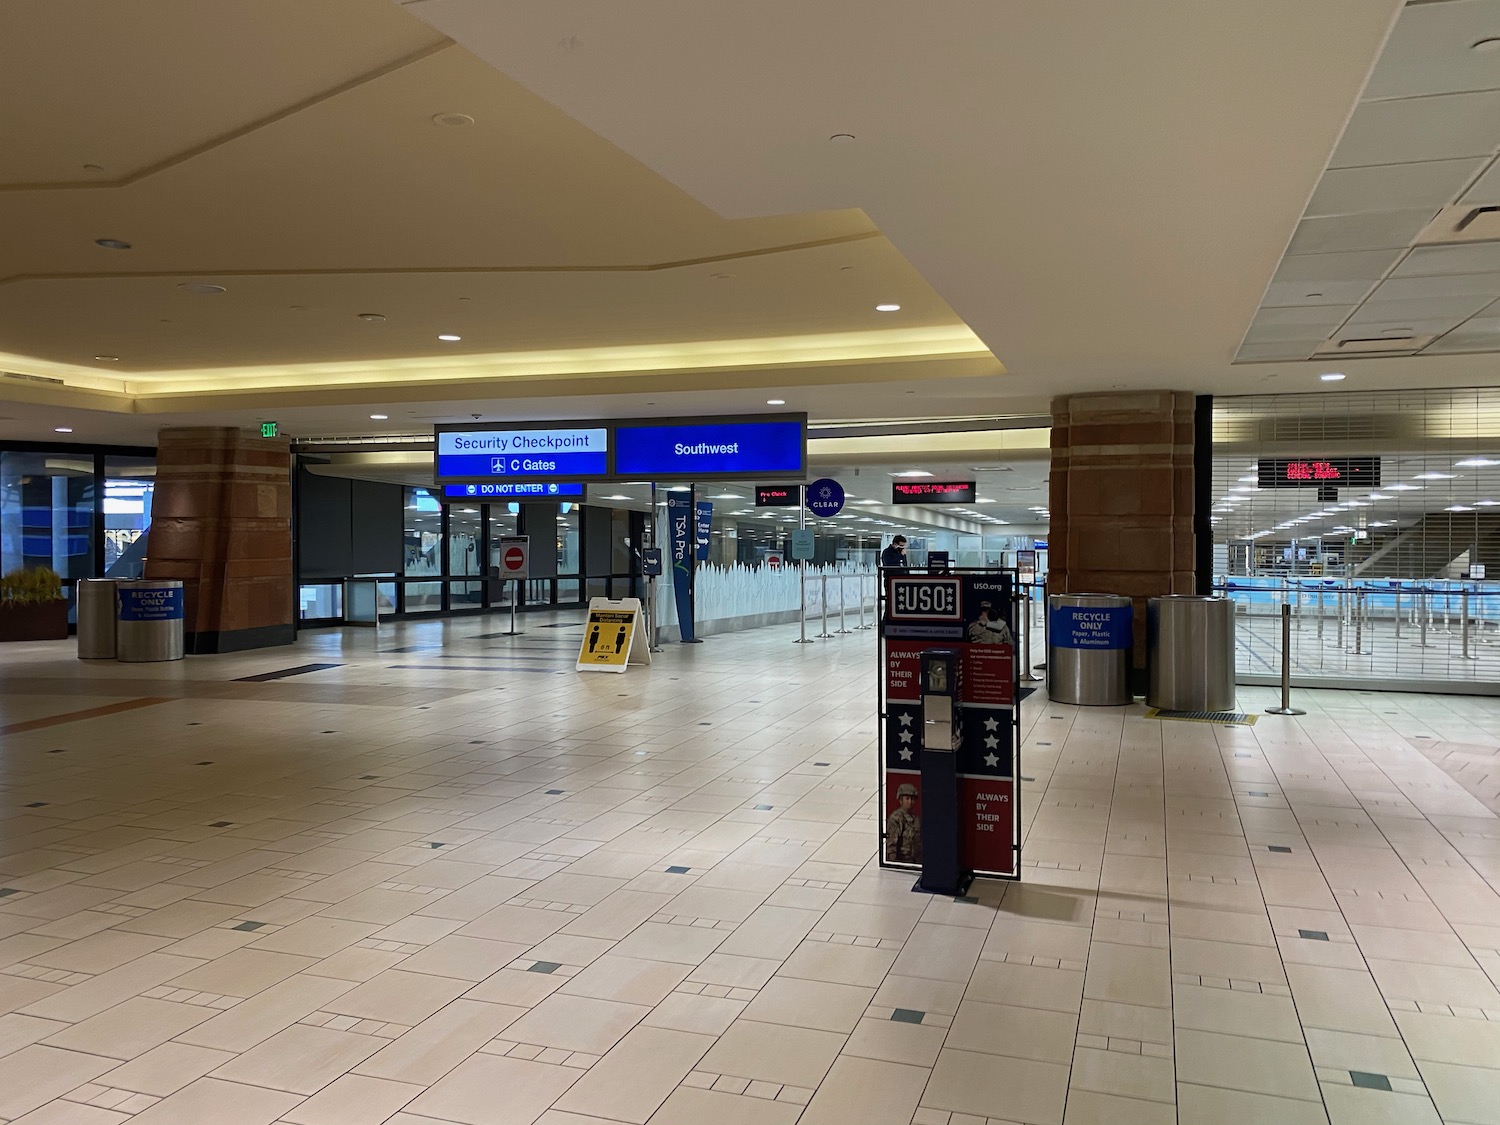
x: 515, y: 559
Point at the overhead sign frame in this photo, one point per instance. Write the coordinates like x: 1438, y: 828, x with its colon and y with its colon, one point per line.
x: 477, y: 464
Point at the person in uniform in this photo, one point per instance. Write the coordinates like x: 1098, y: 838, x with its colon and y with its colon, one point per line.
x: 989, y: 628
x: 903, y: 829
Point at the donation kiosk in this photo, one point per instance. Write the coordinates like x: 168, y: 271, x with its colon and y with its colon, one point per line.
x: 950, y: 726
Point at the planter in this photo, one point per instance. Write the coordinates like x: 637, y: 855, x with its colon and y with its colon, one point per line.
x: 47, y: 621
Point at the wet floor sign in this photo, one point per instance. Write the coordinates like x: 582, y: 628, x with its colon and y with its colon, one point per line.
x: 611, y: 636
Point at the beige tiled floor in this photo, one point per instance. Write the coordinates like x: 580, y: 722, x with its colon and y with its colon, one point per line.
x: 395, y: 891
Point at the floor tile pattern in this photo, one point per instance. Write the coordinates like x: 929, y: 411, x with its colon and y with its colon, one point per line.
x: 385, y: 879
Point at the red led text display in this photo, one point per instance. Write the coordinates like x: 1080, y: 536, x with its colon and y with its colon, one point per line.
x: 932, y: 492
x: 1318, y: 472
x: 778, y: 496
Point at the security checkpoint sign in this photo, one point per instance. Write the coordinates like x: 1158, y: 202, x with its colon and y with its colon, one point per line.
x: 610, y: 636
x: 515, y: 557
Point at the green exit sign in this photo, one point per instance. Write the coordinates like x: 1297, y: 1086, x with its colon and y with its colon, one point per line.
x: 269, y: 429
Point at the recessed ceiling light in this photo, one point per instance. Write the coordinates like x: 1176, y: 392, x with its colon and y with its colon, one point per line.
x: 1403, y: 488
x: 1433, y: 476
x: 1486, y: 45
x: 1458, y: 508
x: 93, y: 167
x: 452, y: 120
x: 63, y: 429
x: 112, y: 243
x: 721, y: 276
x: 449, y: 337
x: 775, y: 402
x: 370, y: 318
x: 841, y: 138
x: 1476, y: 463
x: 913, y: 473
x: 1331, y: 376
x: 888, y: 308
x: 203, y: 287
x: 107, y: 358
x: 379, y: 417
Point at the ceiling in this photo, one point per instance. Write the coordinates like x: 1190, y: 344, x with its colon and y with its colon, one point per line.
x: 669, y: 208
x: 1396, y: 252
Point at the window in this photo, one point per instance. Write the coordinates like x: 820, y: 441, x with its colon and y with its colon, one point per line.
x: 129, y: 485
x: 47, y: 512
x: 422, y: 550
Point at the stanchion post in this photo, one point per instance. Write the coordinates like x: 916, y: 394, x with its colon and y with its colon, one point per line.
x: 1027, y: 676
x: 825, y: 634
x: 1286, y: 707
x: 1463, y: 623
x: 843, y: 604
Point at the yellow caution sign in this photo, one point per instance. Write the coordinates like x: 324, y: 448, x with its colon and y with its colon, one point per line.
x: 609, y: 636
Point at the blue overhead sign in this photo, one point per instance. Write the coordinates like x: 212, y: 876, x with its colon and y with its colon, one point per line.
x: 711, y: 448
x: 512, y: 490
x: 470, y: 454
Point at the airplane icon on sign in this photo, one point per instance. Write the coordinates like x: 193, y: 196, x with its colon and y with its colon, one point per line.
x: 497, y: 464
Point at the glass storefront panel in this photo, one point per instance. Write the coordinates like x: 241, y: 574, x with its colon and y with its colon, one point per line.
x: 568, y: 542
x: 129, y: 485
x: 422, y: 552
x: 323, y: 601
x: 47, y: 512
x: 1376, y: 518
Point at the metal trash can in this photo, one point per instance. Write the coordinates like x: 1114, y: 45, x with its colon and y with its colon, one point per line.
x: 95, y: 599
x: 1190, y: 646
x: 150, y: 620
x: 1089, y: 639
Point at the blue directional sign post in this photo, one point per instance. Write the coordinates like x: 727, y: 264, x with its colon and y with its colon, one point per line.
x: 825, y: 498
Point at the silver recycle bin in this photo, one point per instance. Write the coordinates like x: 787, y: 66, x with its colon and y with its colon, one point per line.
x: 95, y: 599
x: 1190, y: 646
x: 150, y: 620
x: 1089, y: 642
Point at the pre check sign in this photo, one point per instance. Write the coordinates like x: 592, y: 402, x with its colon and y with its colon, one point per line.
x: 554, y: 452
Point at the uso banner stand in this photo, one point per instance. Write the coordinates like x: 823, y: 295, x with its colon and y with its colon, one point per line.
x: 949, y: 705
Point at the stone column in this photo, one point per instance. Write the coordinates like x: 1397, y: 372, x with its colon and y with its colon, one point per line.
x: 1122, y: 498
x: 221, y: 520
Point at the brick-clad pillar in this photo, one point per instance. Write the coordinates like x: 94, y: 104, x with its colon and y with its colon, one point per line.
x: 221, y: 520
x: 1122, y: 498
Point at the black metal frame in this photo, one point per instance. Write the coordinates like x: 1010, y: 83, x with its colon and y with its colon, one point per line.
x: 1015, y: 712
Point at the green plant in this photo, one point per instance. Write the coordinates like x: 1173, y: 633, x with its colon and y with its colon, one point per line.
x: 35, y: 586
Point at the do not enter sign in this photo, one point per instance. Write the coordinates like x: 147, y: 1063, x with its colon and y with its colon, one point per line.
x: 515, y: 554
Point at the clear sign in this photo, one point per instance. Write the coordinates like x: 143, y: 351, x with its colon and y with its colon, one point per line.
x: 711, y: 448
x: 825, y: 498
x: 467, y: 454
x: 512, y: 490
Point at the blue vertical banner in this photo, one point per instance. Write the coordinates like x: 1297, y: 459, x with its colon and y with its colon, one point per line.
x: 680, y: 527
x: 704, y: 511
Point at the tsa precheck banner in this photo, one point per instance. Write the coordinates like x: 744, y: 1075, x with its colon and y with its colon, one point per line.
x: 680, y: 526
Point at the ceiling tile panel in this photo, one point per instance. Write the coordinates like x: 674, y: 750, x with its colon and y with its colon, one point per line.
x: 1433, y: 261
x: 1376, y: 230
x: 1430, y: 184
x: 1459, y: 307
x: 1477, y: 335
x: 1409, y: 326
x: 1430, y: 51
x: 1327, y: 316
x: 1276, y: 333
x: 1365, y: 265
x: 1415, y: 129
x: 1283, y: 294
x: 1284, y: 350
x: 1453, y: 285
x: 1487, y: 188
